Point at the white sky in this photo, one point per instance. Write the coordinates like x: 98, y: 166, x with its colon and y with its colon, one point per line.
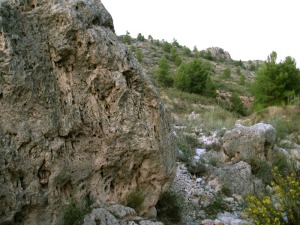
x: 247, y: 29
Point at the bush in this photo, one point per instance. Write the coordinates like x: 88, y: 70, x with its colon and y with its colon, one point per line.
x: 237, y: 105
x: 261, y: 169
x: 198, y: 169
x: 275, y: 82
x: 140, y: 37
x: 74, y: 212
x: 227, y: 72
x: 187, y: 145
x: 280, y: 209
x: 139, y: 55
x: 216, y: 205
x: 167, y: 46
x: 169, y: 208
x: 192, y: 76
x: 135, y: 200
x: 127, y: 38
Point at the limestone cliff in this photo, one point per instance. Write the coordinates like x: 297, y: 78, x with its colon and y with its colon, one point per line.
x: 78, y: 115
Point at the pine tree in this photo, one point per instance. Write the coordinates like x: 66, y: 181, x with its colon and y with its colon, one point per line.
x: 139, y: 55
x: 275, y: 82
x: 163, y: 73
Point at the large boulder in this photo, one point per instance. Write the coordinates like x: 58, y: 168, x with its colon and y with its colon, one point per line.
x: 246, y: 143
x: 78, y: 116
x: 238, y: 178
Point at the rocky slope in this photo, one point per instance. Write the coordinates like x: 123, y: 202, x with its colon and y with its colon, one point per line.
x: 79, y: 117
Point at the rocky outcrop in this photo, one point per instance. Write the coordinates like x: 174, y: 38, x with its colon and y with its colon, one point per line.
x: 111, y: 213
x: 78, y: 116
x: 246, y: 143
x: 238, y: 178
x: 219, y: 53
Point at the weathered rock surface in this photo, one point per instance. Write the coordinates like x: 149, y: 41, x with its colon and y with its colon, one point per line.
x: 116, y: 214
x: 245, y: 143
x: 78, y: 115
x: 238, y: 178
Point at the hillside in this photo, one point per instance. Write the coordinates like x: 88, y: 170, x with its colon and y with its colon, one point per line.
x: 238, y: 78
x: 223, y: 154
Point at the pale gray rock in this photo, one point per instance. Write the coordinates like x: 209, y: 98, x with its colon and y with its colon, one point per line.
x: 149, y: 222
x: 238, y: 178
x: 246, y: 143
x: 121, y: 211
x: 78, y: 115
x: 100, y: 216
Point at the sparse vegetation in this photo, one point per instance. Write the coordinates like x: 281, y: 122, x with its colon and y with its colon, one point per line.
x: 170, y: 208
x: 192, y: 77
x: 216, y: 205
x: 275, y: 82
x: 135, y: 200
x: 75, y: 211
x: 127, y: 38
x: 281, y: 207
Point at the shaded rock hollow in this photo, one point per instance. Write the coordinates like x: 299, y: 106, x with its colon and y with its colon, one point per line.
x: 78, y: 116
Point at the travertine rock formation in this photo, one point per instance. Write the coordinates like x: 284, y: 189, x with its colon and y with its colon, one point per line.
x: 78, y: 116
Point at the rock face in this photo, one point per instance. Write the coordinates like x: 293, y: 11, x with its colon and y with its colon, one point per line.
x: 245, y: 143
x: 219, y: 53
x: 78, y: 116
x: 238, y: 178
x: 108, y: 214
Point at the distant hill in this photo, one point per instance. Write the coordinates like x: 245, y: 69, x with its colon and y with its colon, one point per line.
x: 229, y: 75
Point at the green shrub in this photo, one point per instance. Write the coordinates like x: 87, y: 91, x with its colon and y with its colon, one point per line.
x: 216, y: 205
x: 284, y: 165
x: 227, y: 72
x: 74, y: 212
x: 187, y: 51
x: 198, y: 169
x: 242, y: 80
x: 170, y: 207
x: 140, y: 37
x: 280, y: 208
x: 192, y: 76
x: 187, y: 145
x: 167, y: 46
x: 237, y: 105
x: 139, y: 55
x: 262, y: 169
x: 275, y: 82
x: 226, y: 191
x: 163, y: 73
x: 135, y: 200
x: 127, y: 38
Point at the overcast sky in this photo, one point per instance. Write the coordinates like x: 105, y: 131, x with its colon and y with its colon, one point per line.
x: 247, y: 29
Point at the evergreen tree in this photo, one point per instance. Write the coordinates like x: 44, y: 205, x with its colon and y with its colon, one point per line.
x: 237, y: 105
x: 127, y: 38
x: 178, y: 60
x: 193, y: 77
x: 139, y: 55
x: 242, y: 80
x: 276, y: 83
x: 187, y: 51
x: 173, y: 54
x: 227, y: 72
x: 210, y: 88
x: 167, y: 46
x: 140, y: 37
x: 163, y: 73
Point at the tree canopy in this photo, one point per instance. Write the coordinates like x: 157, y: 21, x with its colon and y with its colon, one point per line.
x: 163, y: 73
x: 275, y: 82
x: 193, y: 77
